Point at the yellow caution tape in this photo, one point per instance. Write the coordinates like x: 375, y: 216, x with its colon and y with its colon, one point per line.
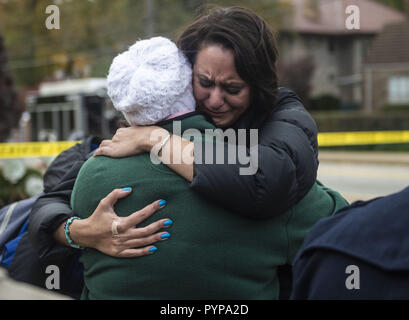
x: 332, y: 139
x: 325, y: 139
x: 34, y: 149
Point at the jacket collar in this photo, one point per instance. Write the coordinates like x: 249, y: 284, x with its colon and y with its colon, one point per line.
x: 192, y: 120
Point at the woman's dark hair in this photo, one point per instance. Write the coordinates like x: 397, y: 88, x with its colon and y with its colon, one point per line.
x: 252, y: 41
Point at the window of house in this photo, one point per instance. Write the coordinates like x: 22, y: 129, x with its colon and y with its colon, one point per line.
x: 399, y: 89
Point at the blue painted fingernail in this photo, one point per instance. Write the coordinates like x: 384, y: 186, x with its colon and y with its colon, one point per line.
x: 127, y: 189
x: 153, y: 249
x: 168, y: 223
x: 162, y: 203
x: 165, y: 235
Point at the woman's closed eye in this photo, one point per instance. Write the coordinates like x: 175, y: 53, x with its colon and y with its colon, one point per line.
x: 232, y: 90
x: 206, y: 83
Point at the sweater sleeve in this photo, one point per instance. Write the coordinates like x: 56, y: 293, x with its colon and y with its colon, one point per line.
x: 285, y: 164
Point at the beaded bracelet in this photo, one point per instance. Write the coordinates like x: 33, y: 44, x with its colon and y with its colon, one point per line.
x: 67, y: 233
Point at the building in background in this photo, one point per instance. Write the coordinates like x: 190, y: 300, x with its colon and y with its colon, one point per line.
x: 317, y: 29
x: 386, y: 75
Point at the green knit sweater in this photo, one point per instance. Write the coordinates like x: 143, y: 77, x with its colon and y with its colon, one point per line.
x: 212, y: 253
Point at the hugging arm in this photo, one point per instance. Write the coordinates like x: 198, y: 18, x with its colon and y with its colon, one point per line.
x: 51, y: 211
x: 286, y: 166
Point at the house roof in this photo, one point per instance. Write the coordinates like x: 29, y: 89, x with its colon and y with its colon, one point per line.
x: 391, y: 45
x: 329, y: 16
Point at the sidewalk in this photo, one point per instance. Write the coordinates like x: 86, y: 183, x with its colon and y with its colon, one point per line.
x: 386, y: 158
x: 13, y: 290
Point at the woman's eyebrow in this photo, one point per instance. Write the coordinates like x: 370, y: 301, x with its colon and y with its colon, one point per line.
x: 204, y: 77
x: 228, y: 83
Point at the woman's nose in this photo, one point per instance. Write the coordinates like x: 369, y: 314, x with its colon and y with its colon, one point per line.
x: 216, y: 98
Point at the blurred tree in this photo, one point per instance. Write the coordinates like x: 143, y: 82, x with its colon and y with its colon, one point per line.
x: 19, y: 36
x: 297, y: 76
x: 11, y: 107
x: 397, y: 4
x: 273, y: 11
x: 92, y: 32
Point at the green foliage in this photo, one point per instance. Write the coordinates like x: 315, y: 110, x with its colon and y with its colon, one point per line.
x: 273, y: 11
x: 397, y: 4
x: 398, y: 147
x: 93, y: 32
x: 395, y: 108
x: 324, y: 102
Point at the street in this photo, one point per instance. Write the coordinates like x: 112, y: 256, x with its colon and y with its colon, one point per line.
x: 360, y: 181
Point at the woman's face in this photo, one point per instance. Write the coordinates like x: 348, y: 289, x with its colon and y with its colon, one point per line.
x: 219, y: 91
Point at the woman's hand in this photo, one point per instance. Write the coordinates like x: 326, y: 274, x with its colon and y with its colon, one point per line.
x: 97, y: 231
x: 135, y: 140
x: 131, y: 141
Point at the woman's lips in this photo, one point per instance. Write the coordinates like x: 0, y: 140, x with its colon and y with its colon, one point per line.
x: 216, y: 114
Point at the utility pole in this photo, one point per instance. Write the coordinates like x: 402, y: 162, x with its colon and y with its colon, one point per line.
x: 150, y: 17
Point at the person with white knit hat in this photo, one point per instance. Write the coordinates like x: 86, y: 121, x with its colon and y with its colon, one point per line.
x: 151, y: 82
x: 203, y: 259
x: 233, y: 55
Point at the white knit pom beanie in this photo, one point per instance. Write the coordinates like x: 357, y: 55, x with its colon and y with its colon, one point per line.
x: 151, y: 81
